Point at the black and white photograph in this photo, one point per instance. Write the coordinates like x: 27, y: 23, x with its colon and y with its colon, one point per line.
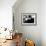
x: 29, y: 19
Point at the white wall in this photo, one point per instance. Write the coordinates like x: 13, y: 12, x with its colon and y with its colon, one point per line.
x: 43, y: 22
x: 31, y: 32
x: 6, y: 13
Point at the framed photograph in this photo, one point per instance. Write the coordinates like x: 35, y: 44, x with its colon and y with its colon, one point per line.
x: 29, y: 19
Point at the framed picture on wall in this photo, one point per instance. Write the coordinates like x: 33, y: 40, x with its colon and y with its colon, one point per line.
x: 29, y: 19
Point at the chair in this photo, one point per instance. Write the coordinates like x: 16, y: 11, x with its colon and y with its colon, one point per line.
x: 29, y: 43
x: 18, y: 39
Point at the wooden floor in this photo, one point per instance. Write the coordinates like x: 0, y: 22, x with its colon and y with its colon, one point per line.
x: 9, y: 43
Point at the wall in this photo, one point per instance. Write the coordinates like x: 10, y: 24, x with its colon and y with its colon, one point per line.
x: 6, y: 13
x: 43, y: 22
x: 31, y: 32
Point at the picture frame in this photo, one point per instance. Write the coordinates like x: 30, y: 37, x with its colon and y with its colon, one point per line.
x: 29, y: 19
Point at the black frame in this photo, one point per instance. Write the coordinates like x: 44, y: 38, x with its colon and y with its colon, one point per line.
x: 34, y: 15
